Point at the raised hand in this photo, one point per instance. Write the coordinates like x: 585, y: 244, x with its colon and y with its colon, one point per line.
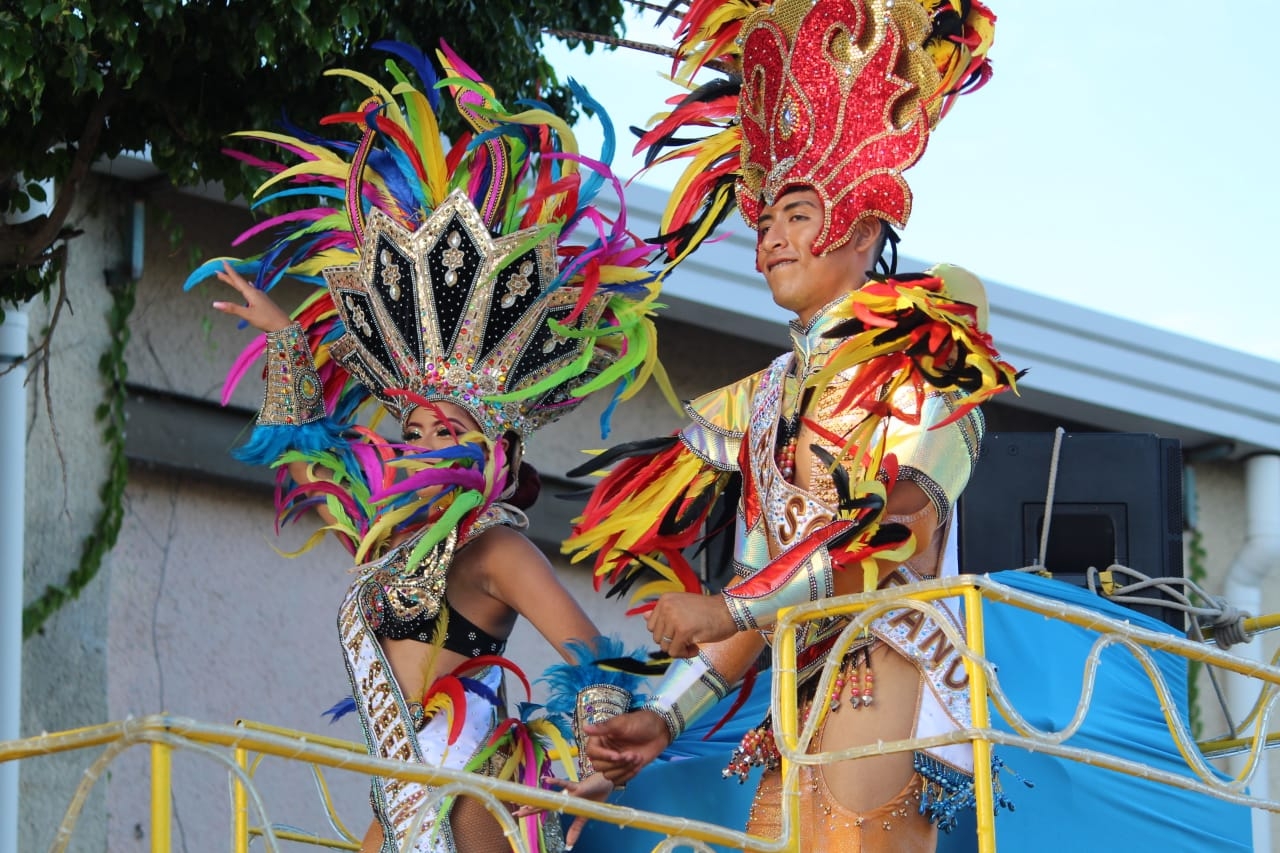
x: 621, y: 746
x: 259, y: 310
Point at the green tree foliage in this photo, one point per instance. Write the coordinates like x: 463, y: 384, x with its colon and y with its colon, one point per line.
x: 85, y: 79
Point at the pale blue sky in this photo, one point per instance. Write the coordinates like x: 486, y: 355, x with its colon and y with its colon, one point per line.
x: 1120, y: 159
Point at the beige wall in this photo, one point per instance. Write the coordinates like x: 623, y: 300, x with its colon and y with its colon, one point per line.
x: 195, y: 613
x: 65, y: 667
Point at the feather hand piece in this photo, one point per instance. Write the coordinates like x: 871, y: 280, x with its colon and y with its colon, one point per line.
x: 584, y: 667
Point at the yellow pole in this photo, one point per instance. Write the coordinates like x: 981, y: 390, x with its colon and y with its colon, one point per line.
x: 161, y: 797
x: 787, y: 726
x: 984, y: 795
x: 240, y: 805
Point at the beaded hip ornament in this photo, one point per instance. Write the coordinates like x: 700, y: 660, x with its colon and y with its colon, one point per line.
x: 758, y: 747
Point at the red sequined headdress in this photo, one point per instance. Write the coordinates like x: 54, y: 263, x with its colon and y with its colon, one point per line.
x: 836, y: 95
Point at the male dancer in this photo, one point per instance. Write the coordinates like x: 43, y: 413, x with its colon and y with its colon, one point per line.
x: 852, y: 448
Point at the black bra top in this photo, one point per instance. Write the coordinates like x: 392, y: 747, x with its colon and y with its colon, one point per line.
x: 461, y: 634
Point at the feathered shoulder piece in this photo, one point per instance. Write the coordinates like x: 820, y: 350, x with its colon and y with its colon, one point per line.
x: 927, y: 331
x: 652, y: 505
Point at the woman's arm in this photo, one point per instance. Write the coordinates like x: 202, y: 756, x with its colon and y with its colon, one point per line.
x: 519, y: 575
x: 260, y: 311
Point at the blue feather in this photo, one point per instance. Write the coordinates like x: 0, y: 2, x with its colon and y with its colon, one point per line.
x: 340, y: 709
x: 591, y: 186
x: 318, y: 192
x: 480, y: 689
x: 565, y: 680
x: 267, y: 443
x: 420, y: 64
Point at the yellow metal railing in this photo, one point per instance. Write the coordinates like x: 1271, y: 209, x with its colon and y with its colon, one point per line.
x: 976, y: 591
x: 241, y: 748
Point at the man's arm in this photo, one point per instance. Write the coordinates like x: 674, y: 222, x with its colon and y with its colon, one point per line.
x: 623, y: 745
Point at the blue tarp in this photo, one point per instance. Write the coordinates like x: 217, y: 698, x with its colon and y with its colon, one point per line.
x: 1073, y: 807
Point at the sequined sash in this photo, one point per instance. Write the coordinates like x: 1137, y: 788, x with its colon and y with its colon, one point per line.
x: 389, y: 733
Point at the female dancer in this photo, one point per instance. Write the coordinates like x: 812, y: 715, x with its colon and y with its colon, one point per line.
x: 446, y: 301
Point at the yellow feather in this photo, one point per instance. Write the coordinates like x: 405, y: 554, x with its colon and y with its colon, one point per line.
x: 430, y: 149
x: 654, y: 589
x: 437, y: 643
x: 392, y: 108
x: 642, y: 510
x: 316, y: 151
x: 312, y: 541
x: 335, y: 169
x: 564, y: 751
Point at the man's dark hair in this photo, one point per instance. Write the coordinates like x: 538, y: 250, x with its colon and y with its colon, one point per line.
x: 886, y: 253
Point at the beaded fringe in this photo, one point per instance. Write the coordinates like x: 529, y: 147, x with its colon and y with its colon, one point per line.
x: 947, y: 792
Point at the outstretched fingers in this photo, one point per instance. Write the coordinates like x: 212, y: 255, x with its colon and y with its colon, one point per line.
x: 258, y: 309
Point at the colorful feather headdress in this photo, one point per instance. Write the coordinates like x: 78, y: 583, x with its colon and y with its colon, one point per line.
x: 483, y: 275
x: 835, y: 95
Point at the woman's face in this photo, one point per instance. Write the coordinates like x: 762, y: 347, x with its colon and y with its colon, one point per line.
x: 437, y: 426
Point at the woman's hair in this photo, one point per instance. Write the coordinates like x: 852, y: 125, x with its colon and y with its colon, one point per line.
x: 523, y: 483
x: 528, y: 487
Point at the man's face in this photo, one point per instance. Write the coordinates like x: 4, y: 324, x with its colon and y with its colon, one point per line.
x: 801, y: 282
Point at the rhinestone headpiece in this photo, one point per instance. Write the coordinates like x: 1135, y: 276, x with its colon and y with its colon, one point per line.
x: 835, y: 95
x: 420, y: 300
x: 451, y: 314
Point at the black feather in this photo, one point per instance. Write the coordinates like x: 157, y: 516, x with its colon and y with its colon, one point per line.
x: 643, y: 447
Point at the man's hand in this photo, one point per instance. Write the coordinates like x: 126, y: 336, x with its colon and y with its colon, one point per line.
x: 682, y: 620
x: 621, y: 746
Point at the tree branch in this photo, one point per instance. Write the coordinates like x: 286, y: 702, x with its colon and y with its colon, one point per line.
x: 46, y: 230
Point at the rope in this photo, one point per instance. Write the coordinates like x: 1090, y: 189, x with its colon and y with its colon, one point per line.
x: 1228, y: 625
x: 1048, y: 498
x: 1216, y: 612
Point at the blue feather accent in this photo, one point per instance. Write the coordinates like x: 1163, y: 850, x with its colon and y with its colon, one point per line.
x: 208, y: 268
x: 418, y: 61
x: 526, y: 710
x: 592, y: 185
x: 268, y: 443
x: 480, y: 689
x: 396, y: 170
x: 310, y: 192
x: 340, y: 709
x: 565, y: 680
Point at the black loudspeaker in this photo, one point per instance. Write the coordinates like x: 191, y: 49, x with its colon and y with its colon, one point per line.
x: 1118, y: 499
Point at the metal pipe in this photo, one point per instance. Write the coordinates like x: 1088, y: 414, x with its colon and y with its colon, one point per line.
x: 1259, y: 557
x: 13, y: 465
x: 161, y: 797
